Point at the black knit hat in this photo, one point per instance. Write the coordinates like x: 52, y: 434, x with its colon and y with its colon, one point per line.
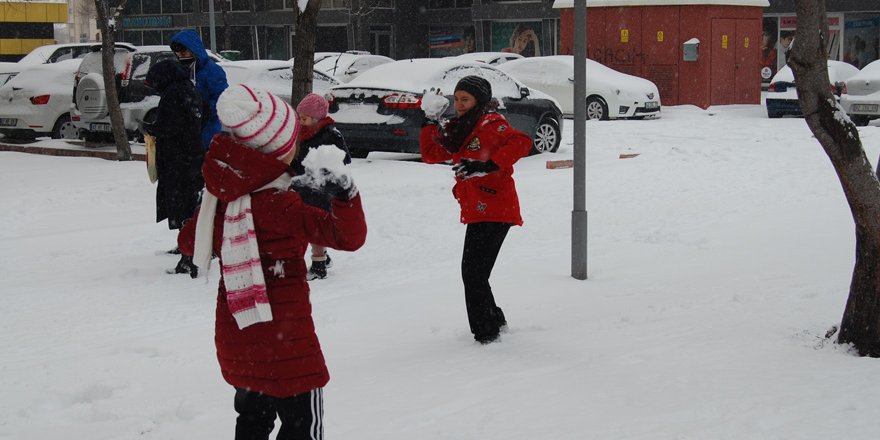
x: 477, y: 86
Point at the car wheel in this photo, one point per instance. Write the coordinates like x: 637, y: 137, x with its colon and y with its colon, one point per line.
x: 62, y: 126
x: 596, y: 108
x: 547, y: 136
x: 860, y: 120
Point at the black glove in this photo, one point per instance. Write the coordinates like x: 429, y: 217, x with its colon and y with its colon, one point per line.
x: 474, y: 168
x: 342, y: 188
x: 336, y: 186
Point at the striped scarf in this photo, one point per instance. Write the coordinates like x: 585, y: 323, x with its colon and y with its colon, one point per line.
x: 246, y: 293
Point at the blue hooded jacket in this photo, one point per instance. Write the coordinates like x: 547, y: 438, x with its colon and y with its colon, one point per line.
x: 210, y: 81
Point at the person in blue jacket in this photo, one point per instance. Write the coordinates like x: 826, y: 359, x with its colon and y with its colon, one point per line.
x: 208, y: 77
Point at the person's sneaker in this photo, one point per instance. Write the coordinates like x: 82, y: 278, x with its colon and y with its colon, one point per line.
x: 318, y: 271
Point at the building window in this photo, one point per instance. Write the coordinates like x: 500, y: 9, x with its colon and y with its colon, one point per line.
x: 234, y: 5
x: 151, y: 6
x: 334, y: 4
x: 380, y: 40
x: 449, y: 4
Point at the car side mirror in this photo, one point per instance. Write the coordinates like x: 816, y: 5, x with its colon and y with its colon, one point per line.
x: 524, y: 92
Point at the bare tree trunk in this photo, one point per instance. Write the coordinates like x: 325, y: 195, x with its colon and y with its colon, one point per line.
x: 304, y: 50
x: 108, y: 49
x: 840, y: 140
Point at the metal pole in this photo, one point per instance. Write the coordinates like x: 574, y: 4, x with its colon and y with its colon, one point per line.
x: 211, y: 26
x: 579, y: 211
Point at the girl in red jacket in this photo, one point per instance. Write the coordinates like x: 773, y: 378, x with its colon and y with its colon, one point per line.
x: 483, y: 148
x: 264, y: 333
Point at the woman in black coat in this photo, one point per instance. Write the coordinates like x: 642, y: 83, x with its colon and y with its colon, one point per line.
x: 177, y: 128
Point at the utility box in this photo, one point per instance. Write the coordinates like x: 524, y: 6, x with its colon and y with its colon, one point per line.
x: 690, y: 50
x: 699, y: 52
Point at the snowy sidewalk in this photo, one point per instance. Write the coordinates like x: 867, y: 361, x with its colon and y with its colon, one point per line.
x: 69, y: 147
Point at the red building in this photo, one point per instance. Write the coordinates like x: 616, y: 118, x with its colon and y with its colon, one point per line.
x: 647, y: 38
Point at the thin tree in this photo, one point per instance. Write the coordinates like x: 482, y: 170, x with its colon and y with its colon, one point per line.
x: 839, y: 138
x: 223, y: 5
x: 306, y: 25
x: 358, y: 11
x: 108, y: 18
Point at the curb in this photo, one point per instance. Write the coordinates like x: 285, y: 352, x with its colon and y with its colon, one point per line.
x: 52, y: 151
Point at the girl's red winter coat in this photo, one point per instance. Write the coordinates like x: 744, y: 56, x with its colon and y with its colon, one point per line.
x: 282, y: 357
x: 490, y: 198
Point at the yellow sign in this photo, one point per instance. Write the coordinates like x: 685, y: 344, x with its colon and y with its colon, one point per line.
x: 724, y: 41
x: 746, y: 42
x: 624, y: 35
x: 660, y: 36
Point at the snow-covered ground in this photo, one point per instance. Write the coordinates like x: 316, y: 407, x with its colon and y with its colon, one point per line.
x: 719, y: 257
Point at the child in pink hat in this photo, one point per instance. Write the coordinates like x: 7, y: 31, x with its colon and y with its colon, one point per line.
x: 317, y: 129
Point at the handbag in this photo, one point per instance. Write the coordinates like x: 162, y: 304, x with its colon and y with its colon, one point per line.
x: 150, y: 147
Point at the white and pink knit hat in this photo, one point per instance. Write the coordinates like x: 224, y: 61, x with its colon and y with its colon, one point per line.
x: 258, y: 119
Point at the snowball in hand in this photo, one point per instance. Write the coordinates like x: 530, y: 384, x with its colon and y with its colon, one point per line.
x: 434, y: 104
x: 325, y: 171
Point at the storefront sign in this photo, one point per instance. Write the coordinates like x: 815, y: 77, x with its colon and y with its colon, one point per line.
x: 154, y: 22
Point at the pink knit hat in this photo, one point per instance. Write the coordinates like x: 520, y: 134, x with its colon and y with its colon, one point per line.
x: 313, y: 105
x: 258, y: 119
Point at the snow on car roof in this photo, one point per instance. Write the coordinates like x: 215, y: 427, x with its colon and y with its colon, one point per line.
x: 45, y: 78
x: 40, y: 54
x: 408, y: 75
x: 605, y: 3
x: 837, y: 71
x: 559, y: 69
x: 484, y: 56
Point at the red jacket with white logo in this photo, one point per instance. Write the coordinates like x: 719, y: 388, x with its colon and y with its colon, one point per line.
x: 489, y: 198
x: 282, y: 357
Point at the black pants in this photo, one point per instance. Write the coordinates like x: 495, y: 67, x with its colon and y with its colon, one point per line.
x: 301, y: 415
x: 482, y: 242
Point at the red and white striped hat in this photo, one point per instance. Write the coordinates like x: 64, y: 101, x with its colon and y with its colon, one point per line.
x: 258, y: 119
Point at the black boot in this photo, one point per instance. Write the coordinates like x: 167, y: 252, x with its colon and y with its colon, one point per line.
x: 185, y: 265
x: 318, y: 271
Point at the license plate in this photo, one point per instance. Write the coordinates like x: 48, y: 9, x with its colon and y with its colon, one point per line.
x: 865, y: 108
x: 104, y: 128
x: 8, y: 122
x: 652, y: 104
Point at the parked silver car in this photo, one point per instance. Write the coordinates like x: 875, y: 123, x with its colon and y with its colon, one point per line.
x: 861, y: 95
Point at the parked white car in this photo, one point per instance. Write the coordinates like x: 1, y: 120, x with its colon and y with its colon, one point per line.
x: 273, y: 76
x: 492, y: 58
x: 861, y: 94
x: 348, y: 66
x: 36, y: 102
x: 610, y: 94
x: 91, y: 115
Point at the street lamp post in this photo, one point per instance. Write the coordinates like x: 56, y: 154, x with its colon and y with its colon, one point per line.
x: 211, y: 26
x: 579, y: 209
